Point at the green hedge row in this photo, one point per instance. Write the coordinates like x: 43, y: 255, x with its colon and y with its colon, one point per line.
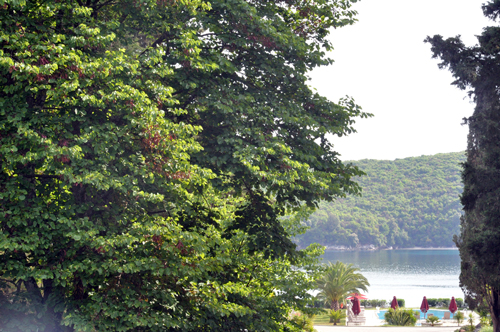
x: 373, y: 303
x: 444, y: 302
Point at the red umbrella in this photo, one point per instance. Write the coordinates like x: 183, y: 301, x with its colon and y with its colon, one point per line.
x: 424, y: 307
x: 394, y: 303
x: 357, y: 296
x: 356, y: 309
x: 453, y: 305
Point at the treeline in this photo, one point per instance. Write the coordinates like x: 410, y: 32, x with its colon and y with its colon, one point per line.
x: 433, y: 302
x: 405, y: 203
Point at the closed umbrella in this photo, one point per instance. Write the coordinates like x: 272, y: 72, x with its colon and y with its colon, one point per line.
x: 453, y: 306
x: 356, y: 309
x: 424, y: 307
x: 394, y: 303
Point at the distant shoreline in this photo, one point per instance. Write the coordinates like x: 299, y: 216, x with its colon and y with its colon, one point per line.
x: 417, y: 248
x: 392, y: 249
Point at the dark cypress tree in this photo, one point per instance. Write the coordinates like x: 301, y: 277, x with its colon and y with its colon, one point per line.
x: 477, y: 69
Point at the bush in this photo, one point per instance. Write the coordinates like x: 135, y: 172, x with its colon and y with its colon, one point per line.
x: 305, y: 322
x: 373, y: 303
x: 336, y: 316
x: 459, y: 317
x: 484, y: 321
x: 440, y: 302
x: 432, y: 302
x: 401, y: 303
x: 443, y: 302
x: 320, y: 304
x: 400, y: 317
x: 433, y: 320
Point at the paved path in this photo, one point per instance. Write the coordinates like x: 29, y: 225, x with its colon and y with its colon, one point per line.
x: 385, y: 329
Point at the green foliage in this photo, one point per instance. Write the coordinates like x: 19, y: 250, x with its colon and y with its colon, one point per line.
x: 433, y: 320
x: 459, y: 317
x: 373, y: 303
x: 336, y: 316
x: 303, y: 322
x: 401, y: 303
x: 338, y: 281
x: 156, y: 158
x: 444, y: 302
x: 470, y: 320
x: 486, y: 329
x: 323, y: 318
x: 400, y: 317
x: 405, y: 203
x: 477, y: 70
x: 484, y: 320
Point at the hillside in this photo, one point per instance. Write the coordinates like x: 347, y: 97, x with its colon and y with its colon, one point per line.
x: 405, y: 203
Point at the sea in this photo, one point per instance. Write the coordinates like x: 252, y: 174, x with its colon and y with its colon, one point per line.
x: 408, y: 274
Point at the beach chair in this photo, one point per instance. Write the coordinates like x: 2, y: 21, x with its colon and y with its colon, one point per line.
x: 446, y: 315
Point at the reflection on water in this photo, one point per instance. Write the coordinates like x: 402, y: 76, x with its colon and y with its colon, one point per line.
x: 406, y: 274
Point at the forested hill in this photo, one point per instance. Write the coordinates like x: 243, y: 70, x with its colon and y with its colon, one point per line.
x: 405, y: 203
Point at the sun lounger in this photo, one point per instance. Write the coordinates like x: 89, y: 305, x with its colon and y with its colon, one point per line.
x: 446, y: 315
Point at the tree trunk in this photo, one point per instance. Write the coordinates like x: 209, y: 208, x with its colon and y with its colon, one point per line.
x: 335, y: 305
x: 494, y: 305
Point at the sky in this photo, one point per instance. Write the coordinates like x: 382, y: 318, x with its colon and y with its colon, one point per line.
x: 382, y: 62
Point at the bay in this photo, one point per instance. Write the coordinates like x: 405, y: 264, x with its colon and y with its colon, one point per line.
x: 406, y: 274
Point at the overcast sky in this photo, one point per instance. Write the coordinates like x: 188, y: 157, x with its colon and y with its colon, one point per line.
x: 384, y: 64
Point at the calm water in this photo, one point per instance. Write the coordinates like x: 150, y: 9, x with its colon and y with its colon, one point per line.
x: 438, y: 313
x: 406, y: 274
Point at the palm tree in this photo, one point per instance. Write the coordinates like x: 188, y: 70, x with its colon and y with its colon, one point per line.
x: 339, y: 281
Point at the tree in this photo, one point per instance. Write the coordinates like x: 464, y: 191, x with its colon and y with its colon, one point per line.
x: 338, y: 281
x: 156, y: 158
x: 413, y: 204
x: 477, y: 68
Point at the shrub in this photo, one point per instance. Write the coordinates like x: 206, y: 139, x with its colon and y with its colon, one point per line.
x: 401, y: 303
x: 433, y: 320
x: 460, y: 302
x: 459, y: 317
x: 484, y: 321
x: 432, y: 302
x: 336, y: 316
x: 305, y: 322
x: 400, y: 317
x: 373, y: 303
x: 443, y: 302
x: 318, y: 303
x: 471, y: 322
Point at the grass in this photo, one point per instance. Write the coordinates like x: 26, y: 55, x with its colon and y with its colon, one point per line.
x: 324, y: 319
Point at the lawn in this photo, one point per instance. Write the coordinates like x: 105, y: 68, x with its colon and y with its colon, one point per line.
x: 324, y: 319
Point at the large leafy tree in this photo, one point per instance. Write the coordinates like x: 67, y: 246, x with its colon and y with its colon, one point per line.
x: 477, y: 68
x: 338, y: 281
x: 150, y: 151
